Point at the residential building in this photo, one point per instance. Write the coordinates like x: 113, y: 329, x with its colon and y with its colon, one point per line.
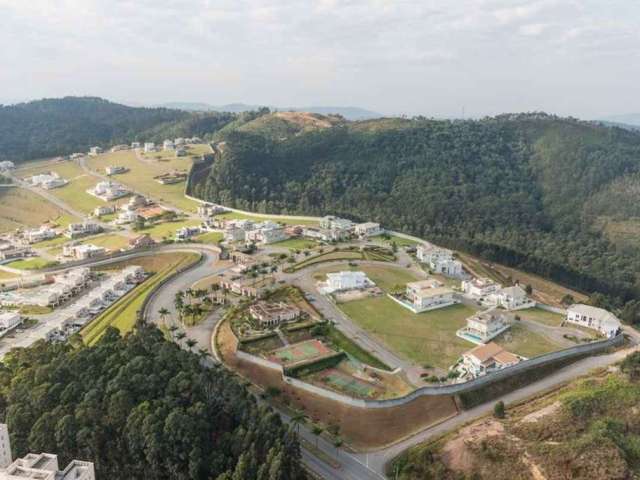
x: 40, y: 234
x: 83, y: 251
x: 151, y: 212
x: 47, y: 181
x: 273, y: 314
x: 127, y: 216
x: 243, y: 260
x: 265, y: 233
x: 9, y: 321
x: 167, y: 145
x: 75, y: 156
x: 119, y: 148
x: 104, y: 210
x: 593, y: 317
x: 135, y: 145
x: 179, y: 141
x: 511, y: 298
x: 135, y: 202
x: 485, y: 326
x: 340, y: 281
x: 181, y: 152
x: 15, y: 252
x: 478, y: 288
x: 6, y: 165
x: 367, y: 229
x: 194, y: 140
x: 142, y: 241
x: 326, y: 235
x: 428, y: 295
x: 93, y: 151
x: 171, y: 178
x: 115, y: 170
x: 209, y: 210
x: 108, y: 191
x: 335, y: 223
x: 185, y: 233
x: 246, y: 286
x: 485, y: 359
x: 41, y: 466
x: 149, y: 147
x: 439, y: 260
x: 75, y: 230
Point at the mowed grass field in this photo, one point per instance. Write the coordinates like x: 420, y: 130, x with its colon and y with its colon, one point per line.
x: 212, y: 238
x: 22, y: 208
x: 399, y: 241
x: 141, y: 173
x: 167, y: 229
x: 122, y: 314
x: 33, y: 263
x: 74, y: 193
x: 541, y: 316
x: 273, y: 218
x: 522, y: 341
x: 109, y: 241
x: 385, y: 277
x: 297, y: 244
x: 425, y: 338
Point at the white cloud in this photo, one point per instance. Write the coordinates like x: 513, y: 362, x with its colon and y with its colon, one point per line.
x: 491, y: 55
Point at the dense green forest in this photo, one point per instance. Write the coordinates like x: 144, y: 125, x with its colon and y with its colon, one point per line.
x: 525, y: 190
x: 50, y: 127
x: 142, y: 408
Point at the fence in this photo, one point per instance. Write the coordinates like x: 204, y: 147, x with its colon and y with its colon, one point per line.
x: 453, y: 389
x: 549, y: 308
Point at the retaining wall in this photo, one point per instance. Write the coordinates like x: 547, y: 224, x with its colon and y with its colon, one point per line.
x: 549, y: 308
x: 444, y: 390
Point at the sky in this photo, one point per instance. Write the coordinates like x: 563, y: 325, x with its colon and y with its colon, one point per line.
x: 430, y: 57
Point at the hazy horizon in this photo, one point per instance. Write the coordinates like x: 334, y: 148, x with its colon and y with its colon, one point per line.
x: 433, y: 58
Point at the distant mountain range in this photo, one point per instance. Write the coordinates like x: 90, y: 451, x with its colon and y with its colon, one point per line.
x: 628, y: 120
x: 350, y: 113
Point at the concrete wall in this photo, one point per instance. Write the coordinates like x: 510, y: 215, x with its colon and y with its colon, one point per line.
x: 444, y: 390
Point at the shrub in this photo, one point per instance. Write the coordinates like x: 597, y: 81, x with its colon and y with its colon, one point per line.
x: 498, y: 410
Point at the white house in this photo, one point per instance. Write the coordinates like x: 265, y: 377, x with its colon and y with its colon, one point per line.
x: 108, y: 191
x: 485, y: 326
x: 82, y: 252
x: 367, y: 229
x: 479, y: 288
x: 273, y: 314
x: 6, y: 165
x: 75, y: 230
x: 265, y: 233
x: 593, y: 317
x: 9, y: 321
x: 340, y: 281
x: 149, y: 147
x: 135, y: 145
x: 185, y: 233
x: 41, y: 466
x: 47, y: 181
x: 511, y: 298
x: 427, y: 295
x: 40, y: 234
x: 93, y: 151
x: 330, y: 222
x: 167, y: 145
x: 104, y: 210
x: 440, y: 260
x: 485, y: 359
x: 115, y: 169
x: 127, y: 216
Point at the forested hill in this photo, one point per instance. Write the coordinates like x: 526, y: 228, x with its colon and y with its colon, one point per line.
x: 142, y: 408
x: 530, y: 190
x: 61, y: 126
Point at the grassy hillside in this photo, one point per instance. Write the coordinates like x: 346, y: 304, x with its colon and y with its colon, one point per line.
x: 61, y: 126
x: 529, y: 191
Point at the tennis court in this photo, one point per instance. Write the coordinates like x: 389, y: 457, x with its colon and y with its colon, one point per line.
x: 350, y: 385
x: 299, y: 352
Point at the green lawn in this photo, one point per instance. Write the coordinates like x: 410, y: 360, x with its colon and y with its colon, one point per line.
x: 541, y: 316
x: 341, y: 342
x: 141, y: 173
x: 54, y: 242
x: 168, y: 229
x: 109, y: 241
x: 400, y: 242
x: 296, y: 244
x: 522, y: 341
x: 328, y: 257
x: 122, y: 314
x: 33, y: 263
x: 210, y: 237
x: 21, y: 208
x: 425, y: 338
x: 385, y: 277
x: 285, y: 220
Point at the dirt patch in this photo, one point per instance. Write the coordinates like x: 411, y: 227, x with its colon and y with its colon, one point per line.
x: 457, y: 453
x: 543, y: 412
x: 351, y: 295
x: 305, y: 119
x: 533, y: 468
